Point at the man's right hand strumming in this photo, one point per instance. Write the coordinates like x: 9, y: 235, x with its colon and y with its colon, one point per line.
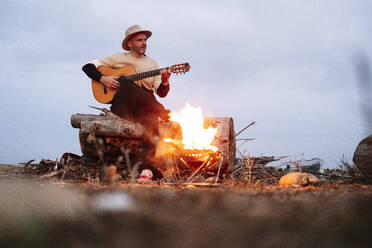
x: 110, y: 82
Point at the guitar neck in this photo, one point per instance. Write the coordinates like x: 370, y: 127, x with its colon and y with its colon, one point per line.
x: 146, y: 74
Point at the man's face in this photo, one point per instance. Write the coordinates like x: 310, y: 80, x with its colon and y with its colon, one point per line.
x: 138, y: 43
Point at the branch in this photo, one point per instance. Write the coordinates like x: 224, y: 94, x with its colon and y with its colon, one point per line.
x: 107, y: 112
x: 245, y: 139
x: 52, y: 174
x: 245, y: 128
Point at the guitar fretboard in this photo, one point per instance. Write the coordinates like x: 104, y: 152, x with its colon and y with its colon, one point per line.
x: 146, y: 74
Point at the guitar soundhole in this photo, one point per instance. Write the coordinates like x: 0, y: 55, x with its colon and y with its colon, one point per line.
x: 105, y: 89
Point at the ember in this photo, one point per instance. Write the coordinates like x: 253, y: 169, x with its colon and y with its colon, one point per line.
x: 194, y: 158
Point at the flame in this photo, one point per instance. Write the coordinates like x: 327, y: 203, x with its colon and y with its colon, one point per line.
x: 194, y: 135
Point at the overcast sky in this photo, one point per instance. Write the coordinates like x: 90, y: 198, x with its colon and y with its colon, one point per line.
x: 288, y: 65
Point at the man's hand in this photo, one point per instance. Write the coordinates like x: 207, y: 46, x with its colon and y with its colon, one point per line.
x: 110, y: 82
x: 165, y: 74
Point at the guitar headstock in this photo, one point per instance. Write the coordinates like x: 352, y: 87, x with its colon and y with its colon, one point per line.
x: 180, y: 68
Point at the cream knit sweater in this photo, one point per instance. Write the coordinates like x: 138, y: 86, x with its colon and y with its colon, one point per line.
x: 142, y: 64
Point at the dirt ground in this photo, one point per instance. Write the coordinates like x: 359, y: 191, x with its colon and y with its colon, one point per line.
x: 38, y: 212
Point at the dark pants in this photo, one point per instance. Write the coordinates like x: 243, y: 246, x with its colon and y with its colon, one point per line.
x: 140, y: 105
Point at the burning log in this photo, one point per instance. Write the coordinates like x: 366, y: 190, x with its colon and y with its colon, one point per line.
x: 223, y: 153
x: 225, y: 140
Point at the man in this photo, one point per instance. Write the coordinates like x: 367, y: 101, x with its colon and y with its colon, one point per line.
x: 135, y: 100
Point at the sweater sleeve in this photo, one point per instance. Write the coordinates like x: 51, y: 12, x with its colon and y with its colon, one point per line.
x: 91, y: 67
x: 162, y: 90
x: 92, y: 72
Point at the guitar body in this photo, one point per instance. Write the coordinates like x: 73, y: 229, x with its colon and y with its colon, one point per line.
x: 103, y: 94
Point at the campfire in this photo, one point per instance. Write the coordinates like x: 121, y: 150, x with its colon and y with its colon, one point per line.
x: 188, y: 146
x: 195, y: 149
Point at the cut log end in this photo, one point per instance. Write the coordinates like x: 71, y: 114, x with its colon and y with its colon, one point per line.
x: 363, y: 158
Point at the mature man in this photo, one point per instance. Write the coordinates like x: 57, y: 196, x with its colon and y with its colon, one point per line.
x: 135, y: 100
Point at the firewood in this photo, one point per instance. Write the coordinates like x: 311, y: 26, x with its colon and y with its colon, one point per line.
x: 219, y: 170
x: 113, y: 128
x: 107, y: 125
x: 225, y: 140
x: 52, y: 174
x: 363, y: 158
x: 76, y: 119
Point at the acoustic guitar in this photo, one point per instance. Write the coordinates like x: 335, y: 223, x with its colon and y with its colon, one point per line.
x: 104, y: 94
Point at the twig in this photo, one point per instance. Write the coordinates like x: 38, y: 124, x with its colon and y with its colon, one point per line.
x: 219, y: 169
x: 98, y: 143
x: 201, y: 166
x: 265, y: 160
x: 298, y: 166
x: 242, y: 156
x: 29, y: 162
x: 52, y: 174
x: 249, y: 164
x: 237, y: 170
x: 127, y: 159
x: 239, y: 152
x: 243, y: 143
x: 333, y: 175
x: 268, y: 174
x: 174, y: 175
x: 279, y: 158
x: 175, y: 163
x: 245, y: 128
x: 134, y: 172
x: 65, y: 171
x: 184, y: 162
x: 245, y: 139
x: 250, y: 174
x: 107, y: 112
x: 56, y: 167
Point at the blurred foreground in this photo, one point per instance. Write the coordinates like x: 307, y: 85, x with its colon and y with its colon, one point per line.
x: 56, y: 213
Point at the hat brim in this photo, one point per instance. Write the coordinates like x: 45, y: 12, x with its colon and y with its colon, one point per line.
x: 124, y: 44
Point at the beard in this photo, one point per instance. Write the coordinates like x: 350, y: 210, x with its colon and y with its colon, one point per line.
x: 139, y: 50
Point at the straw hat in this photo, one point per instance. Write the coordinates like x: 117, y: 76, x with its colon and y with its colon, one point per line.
x: 135, y: 29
